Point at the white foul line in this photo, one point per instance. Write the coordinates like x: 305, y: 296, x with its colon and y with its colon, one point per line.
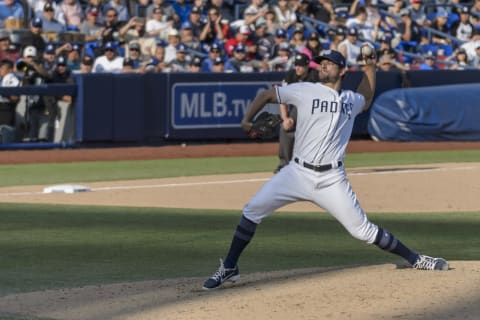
x: 189, y: 184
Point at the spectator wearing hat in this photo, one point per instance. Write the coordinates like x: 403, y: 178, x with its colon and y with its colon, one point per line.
x: 313, y: 47
x: 112, y: 29
x: 97, y: 7
x: 350, y: 47
x: 36, y: 39
x: 225, y: 8
x: 262, y: 39
x: 139, y: 34
x: 394, y: 11
x: 8, y: 104
x: 73, y: 56
x: 241, y: 37
x: 38, y: 7
x: 255, y: 10
x: 195, y: 19
x: 440, y: 23
x: 180, y: 63
x: 73, y: 12
x: 238, y: 62
x: 280, y: 37
x: 298, y: 41
x: 7, y: 49
x: 171, y: 48
x: 282, y: 56
x: 49, y: 23
x: 62, y: 74
x: 86, y: 65
x: 134, y: 53
x: 285, y: 14
x: 109, y: 62
x: 410, y: 31
x: 472, y: 45
x: 462, y: 29
x: 10, y: 9
x: 337, y: 35
x: 218, y: 65
x: 187, y: 37
x: 91, y: 26
x: 300, y: 73
x: 195, y: 65
x: 122, y: 11
x: 215, y: 51
x: 418, y: 12
x: 157, y: 25
x: 159, y: 55
x: 128, y: 65
x: 429, y: 62
x: 166, y: 7
x: 49, y: 57
x: 214, y: 30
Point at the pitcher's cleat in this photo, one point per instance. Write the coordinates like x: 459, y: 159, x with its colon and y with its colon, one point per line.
x: 220, y: 276
x: 429, y: 263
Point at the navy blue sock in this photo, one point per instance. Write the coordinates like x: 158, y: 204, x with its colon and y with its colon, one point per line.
x: 387, y: 241
x: 241, y: 238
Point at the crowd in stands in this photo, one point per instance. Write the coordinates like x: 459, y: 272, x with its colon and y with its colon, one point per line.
x: 237, y: 35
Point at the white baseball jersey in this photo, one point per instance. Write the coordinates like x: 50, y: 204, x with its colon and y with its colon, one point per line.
x: 325, y: 111
x: 9, y: 80
x: 324, y: 124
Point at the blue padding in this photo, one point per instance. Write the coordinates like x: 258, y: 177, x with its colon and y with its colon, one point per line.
x: 445, y: 113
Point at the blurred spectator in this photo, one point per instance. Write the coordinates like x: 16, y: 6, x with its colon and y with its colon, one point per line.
x: 255, y: 10
x: 298, y: 40
x: 166, y: 7
x: 139, y: 34
x: 62, y: 74
x: 134, y: 54
x: 154, y: 66
x: 138, y: 7
x: 239, y: 63
x: 72, y: 10
x: 350, y: 47
x: 128, y: 66
x: 38, y: 7
x: 157, y: 25
x: 49, y: 56
x: 367, y: 29
x: 10, y: 9
x: 286, y: 15
x: 86, y: 65
x: 386, y: 47
x: 214, y: 30
x: 313, y: 48
x: 171, y: 48
x: 97, y: 7
x: 180, y: 63
x: 195, y: 20
x: 187, y: 37
x: 218, y: 65
x: 241, y: 37
x: 7, y: 49
x: 417, y: 13
x: 460, y: 60
x: 214, y: 52
x: 225, y: 9
x: 182, y: 10
x: 429, y: 62
x: 262, y: 39
x: 394, y: 9
x: 476, y: 58
x: 280, y: 37
x: 439, y: 23
x: 109, y: 62
x: 112, y: 28
x: 387, y: 63
x: 472, y: 45
x: 73, y: 57
x: 195, y: 65
x: 272, y: 22
x: 411, y: 32
x: 49, y: 23
x: 475, y: 13
x: 90, y: 27
x: 122, y: 11
x: 462, y: 29
x: 159, y: 55
x: 8, y: 104
x: 36, y: 38
x: 323, y: 10
x: 338, y: 36
x: 282, y: 57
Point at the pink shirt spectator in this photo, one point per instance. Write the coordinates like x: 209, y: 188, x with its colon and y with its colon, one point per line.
x: 73, y: 12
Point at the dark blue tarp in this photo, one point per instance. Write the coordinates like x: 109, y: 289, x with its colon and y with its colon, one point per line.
x: 439, y: 113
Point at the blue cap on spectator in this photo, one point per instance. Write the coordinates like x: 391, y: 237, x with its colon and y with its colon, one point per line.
x: 162, y: 43
x: 76, y: 47
x: 331, y: 55
x: 302, y: 60
x: 181, y: 48
x: 240, y: 48
x: 61, y: 61
x: 214, y: 47
x: 37, y: 22
x: 196, y: 61
x: 50, y: 49
x: 218, y: 60
x: 429, y: 55
x: 284, y: 46
x: 153, y: 62
x: 186, y: 25
x: 352, y: 32
x: 464, y: 9
x: 281, y: 33
x: 109, y: 46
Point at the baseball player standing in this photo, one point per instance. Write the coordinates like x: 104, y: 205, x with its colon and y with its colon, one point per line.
x: 325, y: 116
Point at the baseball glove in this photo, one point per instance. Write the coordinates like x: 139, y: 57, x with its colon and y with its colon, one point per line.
x: 264, y: 126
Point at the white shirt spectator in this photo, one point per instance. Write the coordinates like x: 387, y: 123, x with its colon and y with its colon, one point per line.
x: 103, y: 65
x: 9, y: 80
x: 38, y: 5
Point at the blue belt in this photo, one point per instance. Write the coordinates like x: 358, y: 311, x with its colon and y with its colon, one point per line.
x: 319, y: 168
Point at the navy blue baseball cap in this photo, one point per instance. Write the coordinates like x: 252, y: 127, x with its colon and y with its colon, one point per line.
x: 331, y: 55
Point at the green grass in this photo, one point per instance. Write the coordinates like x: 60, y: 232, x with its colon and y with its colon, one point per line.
x: 48, y: 246
x: 29, y: 174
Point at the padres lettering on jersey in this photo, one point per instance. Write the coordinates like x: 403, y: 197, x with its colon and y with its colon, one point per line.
x: 325, y: 111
